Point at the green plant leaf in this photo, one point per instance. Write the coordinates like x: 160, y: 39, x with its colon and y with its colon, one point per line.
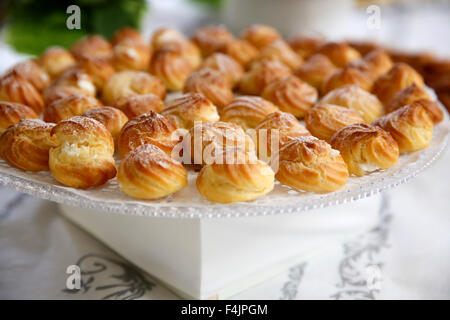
x: 34, y: 37
x: 33, y: 25
x: 107, y: 19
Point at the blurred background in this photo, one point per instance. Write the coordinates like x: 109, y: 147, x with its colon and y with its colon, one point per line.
x: 29, y: 26
x: 415, y: 31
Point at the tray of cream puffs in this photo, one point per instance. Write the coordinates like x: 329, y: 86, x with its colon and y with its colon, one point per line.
x: 214, y: 124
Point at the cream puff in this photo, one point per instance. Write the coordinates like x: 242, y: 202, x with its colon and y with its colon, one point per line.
x: 355, y: 98
x: 93, y: 46
x: 279, y: 50
x: 82, y: 155
x: 339, y: 53
x: 129, y: 82
x: 274, y: 131
x: 239, y: 180
x: 347, y: 76
x: 315, y: 70
x: 71, y: 81
x: 112, y: 118
x: 411, y: 126
x: 136, y: 105
x: 226, y: 65
x: 309, y: 164
x: 149, y: 173
x: 212, y: 84
x: 150, y: 128
x: 247, y: 111
x: 189, y: 109
x: 171, y: 39
x: 170, y: 65
x: 212, y: 38
x: 67, y: 107
x: 205, y: 141
x: 12, y: 113
x: 15, y: 88
x: 242, y: 51
x: 55, y: 60
x: 32, y: 72
x: 324, y: 120
x: 131, y: 54
x: 399, y: 77
x: 260, y: 75
x: 260, y: 35
x: 291, y: 95
x: 26, y: 144
x: 100, y: 70
x: 376, y: 63
x: 365, y: 148
x: 414, y: 93
x: 126, y: 34
x: 305, y: 46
